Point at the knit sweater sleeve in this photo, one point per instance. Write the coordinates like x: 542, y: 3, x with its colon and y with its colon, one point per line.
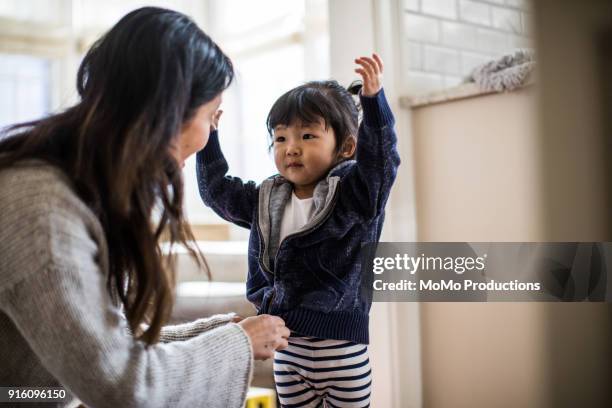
x: 188, y: 330
x: 231, y: 198
x: 53, y: 288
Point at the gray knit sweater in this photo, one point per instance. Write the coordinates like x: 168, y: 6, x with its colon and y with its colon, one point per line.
x: 59, y: 327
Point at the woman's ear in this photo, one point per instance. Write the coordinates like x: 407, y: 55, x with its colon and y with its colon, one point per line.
x: 348, y: 147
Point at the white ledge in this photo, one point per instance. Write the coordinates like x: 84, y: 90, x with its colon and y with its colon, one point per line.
x: 463, y: 91
x: 204, y: 289
x: 212, y: 248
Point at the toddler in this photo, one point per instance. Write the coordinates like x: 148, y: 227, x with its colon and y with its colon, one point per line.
x: 308, y: 224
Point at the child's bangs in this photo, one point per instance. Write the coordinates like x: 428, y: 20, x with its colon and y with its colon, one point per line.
x: 303, y: 106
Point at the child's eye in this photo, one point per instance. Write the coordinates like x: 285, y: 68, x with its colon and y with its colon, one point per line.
x: 308, y: 136
x: 279, y: 139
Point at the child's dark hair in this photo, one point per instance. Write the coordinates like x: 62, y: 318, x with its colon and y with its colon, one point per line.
x: 327, y: 100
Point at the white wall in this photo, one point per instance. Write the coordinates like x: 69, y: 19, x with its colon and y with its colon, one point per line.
x: 351, y: 35
x: 359, y: 27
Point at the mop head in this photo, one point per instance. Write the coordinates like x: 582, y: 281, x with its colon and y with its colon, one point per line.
x: 506, y: 73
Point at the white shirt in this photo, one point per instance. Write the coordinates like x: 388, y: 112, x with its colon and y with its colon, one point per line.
x: 297, y: 213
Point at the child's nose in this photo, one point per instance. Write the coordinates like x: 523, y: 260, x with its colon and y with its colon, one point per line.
x: 293, y: 149
x: 292, y: 152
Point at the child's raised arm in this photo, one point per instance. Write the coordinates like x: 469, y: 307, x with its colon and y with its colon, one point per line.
x: 377, y: 156
x: 230, y: 197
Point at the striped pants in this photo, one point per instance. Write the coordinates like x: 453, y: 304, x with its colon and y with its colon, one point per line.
x: 316, y: 373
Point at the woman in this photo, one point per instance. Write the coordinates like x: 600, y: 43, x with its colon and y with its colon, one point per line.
x: 83, y: 291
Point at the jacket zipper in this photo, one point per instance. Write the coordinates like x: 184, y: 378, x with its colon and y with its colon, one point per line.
x: 294, y: 235
x: 264, y: 308
x: 317, y: 225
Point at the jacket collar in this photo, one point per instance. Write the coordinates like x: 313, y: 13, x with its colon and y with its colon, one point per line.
x: 275, y: 192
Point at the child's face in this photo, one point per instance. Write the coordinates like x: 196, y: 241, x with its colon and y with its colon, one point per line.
x: 303, y: 154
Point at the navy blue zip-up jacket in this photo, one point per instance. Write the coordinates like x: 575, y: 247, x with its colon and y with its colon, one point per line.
x: 312, y: 279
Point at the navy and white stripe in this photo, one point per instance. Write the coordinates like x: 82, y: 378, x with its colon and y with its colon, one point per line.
x: 314, y: 373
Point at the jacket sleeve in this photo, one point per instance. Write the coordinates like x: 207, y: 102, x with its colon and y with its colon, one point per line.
x: 369, y: 181
x: 59, y: 301
x: 230, y: 197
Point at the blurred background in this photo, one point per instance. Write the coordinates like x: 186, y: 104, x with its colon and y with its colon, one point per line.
x: 528, y: 162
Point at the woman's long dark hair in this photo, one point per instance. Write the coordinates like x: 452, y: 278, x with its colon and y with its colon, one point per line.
x: 138, y: 85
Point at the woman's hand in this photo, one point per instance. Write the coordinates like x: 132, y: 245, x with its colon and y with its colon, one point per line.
x: 371, y: 70
x: 267, y: 334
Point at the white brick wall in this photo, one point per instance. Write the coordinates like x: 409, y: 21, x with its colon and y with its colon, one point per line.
x: 443, y: 40
x: 507, y: 20
x: 426, y: 29
x: 475, y: 12
x: 440, y: 8
x: 441, y: 60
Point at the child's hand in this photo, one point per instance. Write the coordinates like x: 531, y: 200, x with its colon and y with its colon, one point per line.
x: 215, y: 120
x: 371, y: 71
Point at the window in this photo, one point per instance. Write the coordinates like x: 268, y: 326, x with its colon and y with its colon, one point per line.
x: 275, y: 46
x: 274, y: 49
x: 24, y: 88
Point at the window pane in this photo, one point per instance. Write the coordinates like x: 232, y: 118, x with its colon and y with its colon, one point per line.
x: 235, y: 18
x: 43, y: 11
x: 275, y: 46
x: 24, y: 88
x: 90, y: 14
